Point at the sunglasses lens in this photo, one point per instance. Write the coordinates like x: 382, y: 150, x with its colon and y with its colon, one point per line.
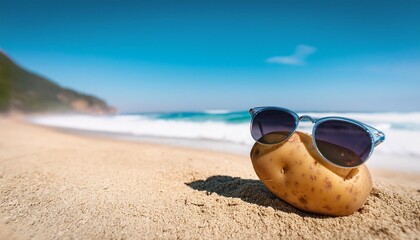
x: 343, y: 143
x: 272, y: 126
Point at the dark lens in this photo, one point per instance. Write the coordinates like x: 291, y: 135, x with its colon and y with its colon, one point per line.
x: 343, y: 143
x: 272, y: 126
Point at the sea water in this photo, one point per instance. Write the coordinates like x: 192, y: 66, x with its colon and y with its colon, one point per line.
x: 229, y: 130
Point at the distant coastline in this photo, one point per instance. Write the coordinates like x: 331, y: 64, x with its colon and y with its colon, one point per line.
x: 25, y: 92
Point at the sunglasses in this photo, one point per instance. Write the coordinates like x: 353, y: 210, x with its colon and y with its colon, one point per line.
x: 343, y: 142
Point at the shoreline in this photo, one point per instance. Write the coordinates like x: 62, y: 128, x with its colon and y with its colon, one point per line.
x: 55, y: 184
x: 197, y: 144
x: 404, y: 176
x: 381, y: 162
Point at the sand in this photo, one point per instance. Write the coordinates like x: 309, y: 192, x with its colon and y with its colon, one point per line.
x: 56, y: 185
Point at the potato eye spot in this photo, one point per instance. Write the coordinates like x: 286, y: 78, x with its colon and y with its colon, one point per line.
x: 303, y: 200
x: 256, y: 153
x: 327, y: 184
x: 326, y: 207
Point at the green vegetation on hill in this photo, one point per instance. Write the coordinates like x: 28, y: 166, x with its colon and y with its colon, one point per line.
x: 21, y: 90
x: 5, y: 83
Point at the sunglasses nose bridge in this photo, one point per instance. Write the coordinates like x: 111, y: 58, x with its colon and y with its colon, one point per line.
x: 305, y: 118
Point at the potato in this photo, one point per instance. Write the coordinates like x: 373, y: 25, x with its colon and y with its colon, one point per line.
x: 295, y: 172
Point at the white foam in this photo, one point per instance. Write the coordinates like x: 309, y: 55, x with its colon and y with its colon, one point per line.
x: 217, y: 111
x: 401, y: 142
x: 141, y: 126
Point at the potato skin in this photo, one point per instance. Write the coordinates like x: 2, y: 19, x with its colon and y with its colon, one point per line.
x: 295, y: 172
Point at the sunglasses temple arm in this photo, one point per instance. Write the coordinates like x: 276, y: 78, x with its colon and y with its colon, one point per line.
x: 378, y: 136
x: 381, y: 138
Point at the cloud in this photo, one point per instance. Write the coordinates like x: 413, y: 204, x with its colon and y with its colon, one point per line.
x: 297, y: 58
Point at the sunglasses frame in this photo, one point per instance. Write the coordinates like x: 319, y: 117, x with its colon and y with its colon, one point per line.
x: 376, y: 136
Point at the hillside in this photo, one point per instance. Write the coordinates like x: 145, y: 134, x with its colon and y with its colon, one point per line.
x: 23, y: 91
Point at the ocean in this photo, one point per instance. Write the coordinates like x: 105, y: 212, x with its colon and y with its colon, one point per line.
x: 224, y: 130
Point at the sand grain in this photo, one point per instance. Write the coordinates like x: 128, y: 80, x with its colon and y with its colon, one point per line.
x: 55, y: 185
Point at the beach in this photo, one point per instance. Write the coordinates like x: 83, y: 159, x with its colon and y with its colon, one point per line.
x: 64, y: 185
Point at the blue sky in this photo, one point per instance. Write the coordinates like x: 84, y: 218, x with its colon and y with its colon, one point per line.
x: 195, y: 55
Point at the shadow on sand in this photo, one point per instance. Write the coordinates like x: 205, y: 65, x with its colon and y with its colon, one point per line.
x: 248, y: 190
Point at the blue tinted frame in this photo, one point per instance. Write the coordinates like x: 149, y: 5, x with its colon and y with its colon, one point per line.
x: 376, y: 136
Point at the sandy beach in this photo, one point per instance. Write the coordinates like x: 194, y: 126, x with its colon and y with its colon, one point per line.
x: 56, y: 185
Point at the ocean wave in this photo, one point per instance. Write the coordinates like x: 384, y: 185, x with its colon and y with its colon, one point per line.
x: 141, y: 126
x: 402, y: 130
x: 217, y: 111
